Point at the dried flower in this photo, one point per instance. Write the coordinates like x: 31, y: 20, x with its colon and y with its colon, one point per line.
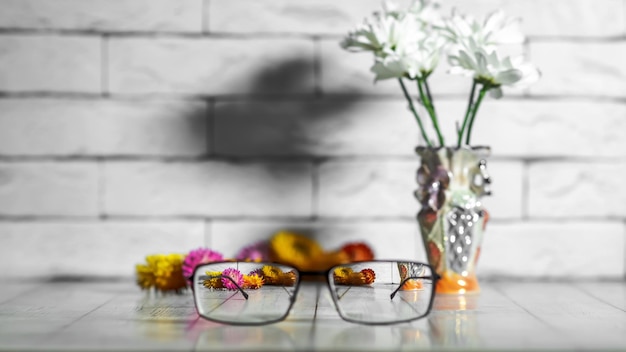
x: 235, y: 275
x: 162, y: 271
x: 257, y: 252
x: 273, y: 275
x: 358, y: 251
x: 347, y: 276
x: 294, y: 249
x: 214, y: 280
x: 197, y: 257
x: 369, y: 276
x: 145, y: 276
x: 271, y: 272
x: 252, y: 281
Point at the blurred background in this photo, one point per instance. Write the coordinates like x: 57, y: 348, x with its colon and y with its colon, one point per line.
x: 137, y: 127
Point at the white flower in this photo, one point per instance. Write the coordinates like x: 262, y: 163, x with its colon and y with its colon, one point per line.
x: 416, y: 59
x: 382, y: 36
x: 402, y: 45
x: 487, y: 68
x: 425, y: 11
x: 495, y: 29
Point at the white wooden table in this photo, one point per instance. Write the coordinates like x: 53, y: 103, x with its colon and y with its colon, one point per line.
x: 116, y: 315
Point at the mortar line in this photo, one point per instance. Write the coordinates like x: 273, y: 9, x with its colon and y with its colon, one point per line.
x: 205, y: 14
x: 525, y: 190
x: 104, y: 66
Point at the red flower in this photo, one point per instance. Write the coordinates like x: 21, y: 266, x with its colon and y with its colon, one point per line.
x: 358, y: 251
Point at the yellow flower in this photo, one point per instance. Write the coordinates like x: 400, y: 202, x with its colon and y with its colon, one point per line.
x: 253, y: 281
x: 145, y: 277
x: 347, y: 276
x: 214, y: 281
x: 295, y: 250
x: 341, y: 275
x: 271, y: 274
x: 343, y: 272
x: 162, y: 271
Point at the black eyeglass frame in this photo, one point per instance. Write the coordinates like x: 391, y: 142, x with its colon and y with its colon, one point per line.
x: 327, y: 277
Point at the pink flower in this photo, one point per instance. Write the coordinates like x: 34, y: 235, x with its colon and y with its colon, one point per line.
x: 257, y: 252
x: 198, y: 257
x: 233, y: 274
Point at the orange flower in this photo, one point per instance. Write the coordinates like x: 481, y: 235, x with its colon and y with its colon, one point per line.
x: 368, y: 276
x: 358, y: 251
x: 252, y: 281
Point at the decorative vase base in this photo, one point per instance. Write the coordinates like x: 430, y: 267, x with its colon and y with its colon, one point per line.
x: 454, y: 284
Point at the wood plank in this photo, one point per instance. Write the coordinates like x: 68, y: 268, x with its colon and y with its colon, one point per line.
x: 612, y: 293
x: 505, y: 316
x: 487, y: 320
x: 582, y: 320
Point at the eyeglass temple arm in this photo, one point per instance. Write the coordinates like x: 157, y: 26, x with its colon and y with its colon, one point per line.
x: 435, y: 277
x: 234, y: 283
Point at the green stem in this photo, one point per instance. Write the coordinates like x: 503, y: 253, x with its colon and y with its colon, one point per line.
x: 431, y: 110
x: 470, y: 103
x: 481, y: 95
x: 412, y: 108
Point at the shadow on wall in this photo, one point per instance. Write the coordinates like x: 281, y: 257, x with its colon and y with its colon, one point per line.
x: 281, y: 122
x: 283, y: 117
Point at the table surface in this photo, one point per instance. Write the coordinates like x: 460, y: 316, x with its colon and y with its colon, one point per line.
x: 506, y: 315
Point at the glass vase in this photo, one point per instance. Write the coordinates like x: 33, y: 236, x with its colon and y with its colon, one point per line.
x: 452, y: 220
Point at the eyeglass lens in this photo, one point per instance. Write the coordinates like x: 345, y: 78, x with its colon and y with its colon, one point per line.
x: 376, y: 292
x: 382, y: 292
x: 244, y: 293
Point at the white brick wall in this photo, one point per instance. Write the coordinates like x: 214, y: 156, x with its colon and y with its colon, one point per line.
x: 85, y: 127
x: 48, y: 63
x: 141, y: 126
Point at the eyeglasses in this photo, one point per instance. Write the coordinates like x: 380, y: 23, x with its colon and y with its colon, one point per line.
x: 372, y: 292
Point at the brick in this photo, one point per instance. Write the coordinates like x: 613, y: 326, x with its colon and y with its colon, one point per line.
x: 365, y: 188
x: 580, y: 68
x: 580, y: 18
x: 577, y: 189
x: 527, y: 128
x: 506, y: 199
x: 572, y: 249
x: 385, y: 189
x: 48, y: 188
x: 567, y: 18
x: 323, y: 127
x: 102, y: 127
x: 284, y: 16
x: 50, y: 63
x: 100, y: 249
x: 388, y: 239
x: 133, y: 15
x: 208, y: 189
x: 211, y: 66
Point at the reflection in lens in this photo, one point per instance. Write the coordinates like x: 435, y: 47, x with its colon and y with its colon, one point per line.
x: 244, y: 292
x: 380, y: 292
